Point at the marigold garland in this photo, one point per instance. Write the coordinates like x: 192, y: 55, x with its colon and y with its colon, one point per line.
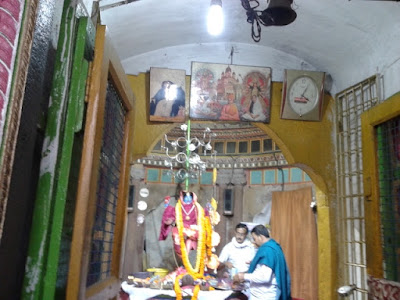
x: 179, y: 222
x: 178, y: 291
x: 195, y: 292
x: 209, y: 235
x: 203, y: 248
x: 177, y: 287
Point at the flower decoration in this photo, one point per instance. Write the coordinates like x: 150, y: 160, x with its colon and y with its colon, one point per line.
x: 177, y: 287
x: 203, y: 247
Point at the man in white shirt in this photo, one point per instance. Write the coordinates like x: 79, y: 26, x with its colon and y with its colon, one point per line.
x: 268, y: 274
x: 237, y: 254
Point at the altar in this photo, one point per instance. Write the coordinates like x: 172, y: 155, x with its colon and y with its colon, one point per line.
x: 138, y: 293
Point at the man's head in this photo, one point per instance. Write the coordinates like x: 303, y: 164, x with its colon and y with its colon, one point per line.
x: 166, y: 84
x: 260, y: 235
x: 241, y: 231
x: 231, y: 97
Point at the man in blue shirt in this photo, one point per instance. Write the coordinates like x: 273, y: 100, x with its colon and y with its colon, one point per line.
x: 268, y: 274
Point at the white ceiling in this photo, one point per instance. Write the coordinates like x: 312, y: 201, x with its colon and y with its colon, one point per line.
x: 350, y: 40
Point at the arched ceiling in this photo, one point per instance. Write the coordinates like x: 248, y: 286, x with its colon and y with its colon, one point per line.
x: 350, y: 40
x: 223, y: 132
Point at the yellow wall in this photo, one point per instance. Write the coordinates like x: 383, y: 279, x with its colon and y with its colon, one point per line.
x: 308, y: 145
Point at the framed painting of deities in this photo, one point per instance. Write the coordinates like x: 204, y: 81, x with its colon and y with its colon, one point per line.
x: 230, y: 92
x: 167, y: 95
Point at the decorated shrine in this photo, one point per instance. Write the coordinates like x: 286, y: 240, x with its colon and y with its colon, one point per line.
x: 190, y: 225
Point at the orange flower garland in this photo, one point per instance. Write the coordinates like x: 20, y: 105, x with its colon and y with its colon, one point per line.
x: 209, y: 235
x: 203, y: 245
x: 177, y: 287
x: 179, y: 223
x: 195, y: 292
x: 178, y: 291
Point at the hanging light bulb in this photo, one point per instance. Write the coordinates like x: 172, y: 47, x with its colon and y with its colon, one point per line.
x: 215, y: 18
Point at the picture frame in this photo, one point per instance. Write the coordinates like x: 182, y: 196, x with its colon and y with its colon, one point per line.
x: 226, y: 92
x: 302, y: 95
x: 167, y: 101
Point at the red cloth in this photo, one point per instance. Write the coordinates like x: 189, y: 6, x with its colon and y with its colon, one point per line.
x: 123, y: 295
x: 169, y: 213
x: 189, y: 217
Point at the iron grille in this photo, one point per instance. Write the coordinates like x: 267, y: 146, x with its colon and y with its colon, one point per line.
x: 107, y: 188
x: 350, y: 104
x: 388, y: 145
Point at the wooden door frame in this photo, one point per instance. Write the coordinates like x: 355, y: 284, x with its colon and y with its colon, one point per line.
x: 370, y: 119
x: 105, y: 66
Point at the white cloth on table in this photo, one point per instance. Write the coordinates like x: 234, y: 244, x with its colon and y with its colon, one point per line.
x: 263, y: 284
x: 146, y: 293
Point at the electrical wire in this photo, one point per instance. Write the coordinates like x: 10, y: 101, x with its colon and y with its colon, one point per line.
x: 253, y: 17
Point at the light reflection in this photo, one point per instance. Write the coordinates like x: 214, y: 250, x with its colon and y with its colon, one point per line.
x: 171, y: 92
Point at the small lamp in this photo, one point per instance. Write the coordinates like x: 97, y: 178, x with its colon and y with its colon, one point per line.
x: 347, y: 290
x: 215, y: 18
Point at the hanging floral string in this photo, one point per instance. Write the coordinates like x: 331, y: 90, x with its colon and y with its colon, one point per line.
x: 195, y: 292
x: 203, y: 244
x: 177, y: 287
x: 200, y: 243
x: 208, y: 236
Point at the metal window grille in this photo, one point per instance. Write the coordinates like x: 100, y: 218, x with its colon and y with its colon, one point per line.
x: 388, y: 145
x: 107, y: 188
x: 350, y: 104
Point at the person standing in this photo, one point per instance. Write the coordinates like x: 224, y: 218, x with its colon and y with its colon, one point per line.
x: 268, y: 274
x: 237, y: 254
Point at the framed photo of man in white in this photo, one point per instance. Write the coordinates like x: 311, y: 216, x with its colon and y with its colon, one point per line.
x: 167, y: 101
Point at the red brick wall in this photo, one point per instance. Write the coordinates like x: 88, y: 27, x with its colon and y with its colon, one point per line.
x: 10, y: 21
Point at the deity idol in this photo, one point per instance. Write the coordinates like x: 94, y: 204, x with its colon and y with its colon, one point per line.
x: 189, y: 211
x: 191, y: 230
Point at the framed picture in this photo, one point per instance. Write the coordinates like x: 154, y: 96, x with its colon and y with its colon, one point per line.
x: 230, y: 92
x: 167, y: 95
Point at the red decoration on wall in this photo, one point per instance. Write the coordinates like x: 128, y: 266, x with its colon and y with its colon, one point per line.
x: 382, y: 289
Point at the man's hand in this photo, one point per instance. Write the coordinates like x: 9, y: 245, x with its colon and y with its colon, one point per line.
x: 238, y: 278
